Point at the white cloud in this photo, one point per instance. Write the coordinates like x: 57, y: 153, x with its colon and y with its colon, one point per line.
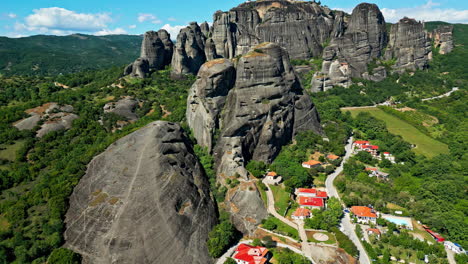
x: 148, y: 17
x: 173, y: 30
x: 116, y: 31
x: 12, y: 15
x: 172, y: 19
x: 430, y: 11
x: 132, y: 26
x: 61, y: 19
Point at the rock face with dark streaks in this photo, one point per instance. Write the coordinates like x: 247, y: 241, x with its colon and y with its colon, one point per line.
x: 156, y: 53
x: 260, y: 114
x: 207, y: 98
x: 189, y: 53
x: 443, y: 38
x: 409, y: 45
x: 144, y: 200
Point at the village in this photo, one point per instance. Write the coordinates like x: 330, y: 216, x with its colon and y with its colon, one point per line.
x: 361, y: 223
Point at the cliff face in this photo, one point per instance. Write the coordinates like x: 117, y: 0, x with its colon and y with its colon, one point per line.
x: 409, y: 45
x: 144, y: 200
x: 443, y: 38
x: 156, y: 53
x: 189, y: 52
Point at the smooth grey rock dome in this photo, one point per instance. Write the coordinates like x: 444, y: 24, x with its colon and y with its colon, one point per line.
x: 144, y: 200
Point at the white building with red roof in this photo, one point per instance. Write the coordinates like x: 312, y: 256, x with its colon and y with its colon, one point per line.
x: 311, y: 164
x: 311, y: 192
x: 389, y: 157
x: 247, y: 254
x: 272, y: 178
x: 301, y: 214
x: 364, y: 214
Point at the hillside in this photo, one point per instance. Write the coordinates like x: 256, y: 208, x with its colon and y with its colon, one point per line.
x: 52, y: 55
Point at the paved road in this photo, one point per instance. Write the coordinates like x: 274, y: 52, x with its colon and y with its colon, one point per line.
x: 332, y: 192
x: 450, y: 256
x: 442, y: 95
x: 347, y: 226
x: 272, y: 210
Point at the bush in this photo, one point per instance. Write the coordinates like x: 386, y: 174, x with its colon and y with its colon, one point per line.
x: 63, y: 256
x: 221, y: 238
x: 345, y: 243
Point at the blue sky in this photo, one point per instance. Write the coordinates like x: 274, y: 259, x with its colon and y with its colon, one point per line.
x: 101, y: 17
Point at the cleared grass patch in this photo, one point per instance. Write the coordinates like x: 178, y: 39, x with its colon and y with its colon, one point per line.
x: 284, y: 229
x: 8, y: 152
x: 425, y: 145
x: 331, y: 237
x: 282, y: 198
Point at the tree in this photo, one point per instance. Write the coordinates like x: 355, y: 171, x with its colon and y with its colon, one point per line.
x: 257, y: 168
x: 230, y: 261
x: 257, y: 242
x: 63, y: 256
x: 268, y: 242
x: 269, y: 223
x: 220, y: 238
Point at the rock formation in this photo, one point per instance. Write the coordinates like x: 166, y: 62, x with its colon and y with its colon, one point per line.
x: 124, y: 107
x: 156, y: 53
x: 408, y: 45
x: 207, y: 98
x: 54, y: 117
x: 205, y: 29
x: 443, y: 38
x: 189, y: 52
x: 260, y: 113
x: 144, y: 200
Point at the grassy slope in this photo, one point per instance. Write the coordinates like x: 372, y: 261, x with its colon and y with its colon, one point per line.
x: 50, y: 55
x: 426, y: 145
x: 9, y: 153
x: 281, y: 198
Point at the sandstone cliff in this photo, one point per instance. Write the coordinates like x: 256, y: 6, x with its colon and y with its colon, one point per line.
x: 409, y: 45
x: 156, y: 53
x: 144, y: 200
x: 443, y: 38
x: 189, y: 53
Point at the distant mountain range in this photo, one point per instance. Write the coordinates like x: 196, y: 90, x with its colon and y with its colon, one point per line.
x: 51, y: 55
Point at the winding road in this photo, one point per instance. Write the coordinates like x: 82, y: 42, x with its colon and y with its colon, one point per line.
x: 346, y: 225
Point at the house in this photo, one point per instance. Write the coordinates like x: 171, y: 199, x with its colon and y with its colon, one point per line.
x: 364, y: 214
x: 272, y: 178
x: 360, y: 143
x: 372, y: 149
x: 301, y: 214
x: 311, y: 192
x: 454, y: 247
x: 389, y: 157
x: 247, y: 254
x: 373, y: 172
x: 311, y: 202
x: 332, y: 157
x: 311, y: 164
x: 374, y: 231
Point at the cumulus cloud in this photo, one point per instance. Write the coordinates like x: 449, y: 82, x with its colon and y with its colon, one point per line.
x: 11, y: 15
x: 173, y: 30
x: 430, y: 11
x: 148, y: 17
x: 56, y: 18
x: 116, y: 31
x: 132, y: 26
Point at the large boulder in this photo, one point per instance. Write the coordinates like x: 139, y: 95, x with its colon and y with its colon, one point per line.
x: 144, y: 200
x: 125, y: 107
x: 207, y: 97
x: 189, y: 54
x: 409, y: 45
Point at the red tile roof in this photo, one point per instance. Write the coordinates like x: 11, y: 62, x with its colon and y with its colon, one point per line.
x: 302, y: 212
x: 333, y: 157
x: 312, y: 163
x: 311, y: 201
x: 272, y: 173
x: 371, y: 169
x: 360, y: 142
x: 321, y: 194
x: 251, y: 254
x: 306, y: 190
x: 374, y: 230
x: 370, y: 147
x: 363, y: 211
x: 386, y: 152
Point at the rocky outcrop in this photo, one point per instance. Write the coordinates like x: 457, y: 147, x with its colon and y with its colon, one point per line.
x: 408, y: 45
x: 246, y: 207
x: 210, y: 50
x: 189, y: 53
x: 336, y: 73
x: 443, y: 39
x: 124, y: 108
x: 260, y: 114
x: 54, y: 117
x: 207, y: 98
x: 205, y: 29
x: 144, y: 200
x: 156, y: 53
